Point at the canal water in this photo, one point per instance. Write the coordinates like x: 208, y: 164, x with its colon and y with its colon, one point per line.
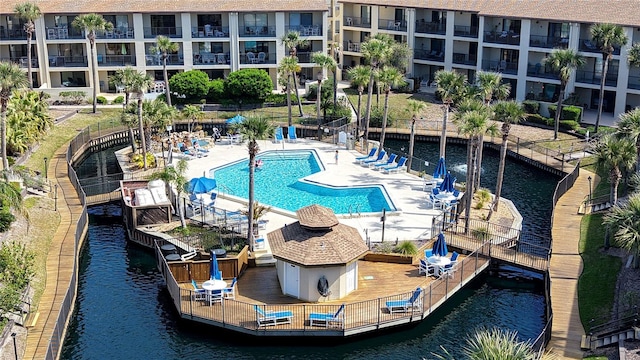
x: 124, y: 312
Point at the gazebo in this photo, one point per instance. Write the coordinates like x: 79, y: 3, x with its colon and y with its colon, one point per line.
x: 317, y: 257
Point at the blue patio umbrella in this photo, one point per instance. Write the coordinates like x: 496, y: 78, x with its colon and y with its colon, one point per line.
x: 201, y: 185
x: 440, y: 246
x: 236, y: 119
x: 213, y: 267
x: 440, y: 170
x: 447, y: 183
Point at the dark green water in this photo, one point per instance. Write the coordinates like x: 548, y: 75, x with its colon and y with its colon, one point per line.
x: 124, y: 312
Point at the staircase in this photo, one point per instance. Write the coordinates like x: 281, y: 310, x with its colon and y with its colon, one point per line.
x: 594, y: 342
x: 262, y: 252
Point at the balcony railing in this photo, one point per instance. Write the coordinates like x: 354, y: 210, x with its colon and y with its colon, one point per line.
x: 22, y: 61
x: 156, y: 60
x: 634, y: 82
x: 548, y: 42
x: 305, y: 30
x: 502, y: 66
x: 64, y: 32
x: 431, y: 27
x: 587, y: 45
x: 116, y: 60
x: 351, y: 46
x: 14, y: 33
x: 465, y: 31
x: 211, y: 58
x: 591, y: 77
x: 357, y: 21
x: 505, y: 37
x: 464, y: 59
x: 257, y: 31
x: 68, y: 61
x: 168, y: 31
x: 257, y: 58
x: 209, y: 31
x: 116, y: 33
x: 541, y: 71
x: 395, y: 25
x: 304, y: 57
x: 431, y: 55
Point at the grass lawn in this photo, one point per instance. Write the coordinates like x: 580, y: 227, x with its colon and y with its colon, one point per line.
x: 279, y: 113
x: 596, y: 286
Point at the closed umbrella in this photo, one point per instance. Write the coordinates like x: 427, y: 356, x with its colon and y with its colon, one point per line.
x: 236, y: 119
x: 447, y: 183
x: 213, y: 267
x: 440, y: 246
x: 201, y: 185
x: 440, y: 170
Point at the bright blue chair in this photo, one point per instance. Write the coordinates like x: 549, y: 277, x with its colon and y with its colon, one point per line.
x: 372, y: 153
x: 383, y: 164
x: 428, y: 253
x: 374, y: 160
x: 410, y: 304
x: 266, y: 318
x: 327, y: 319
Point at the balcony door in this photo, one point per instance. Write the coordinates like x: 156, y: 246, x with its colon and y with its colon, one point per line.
x: 163, y: 24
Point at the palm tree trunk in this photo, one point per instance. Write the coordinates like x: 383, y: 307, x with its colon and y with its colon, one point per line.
x: 412, y: 137
x: 384, y: 119
x: 469, y: 185
x: 443, y: 136
x: 3, y: 133
x: 166, y: 79
x: 94, y: 74
x: 29, y: 34
x: 556, y: 121
x: 358, y: 118
x: 367, y: 114
x: 605, y: 68
x: 132, y: 138
x: 335, y: 87
x: 141, y: 130
x: 478, y: 171
x: 295, y: 86
x: 289, y: 114
x: 252, y: 161
x: 318, y: 95
x: 615, y: 177
x: 503, y: 157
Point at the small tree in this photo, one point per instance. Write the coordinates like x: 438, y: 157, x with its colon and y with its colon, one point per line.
x: 625, y: 222
x: 175, y: 177
x: 252, y: 84
x: 192, y: 113
x: 193, y: 85
x: 165, y: 47
x: 29, y: 12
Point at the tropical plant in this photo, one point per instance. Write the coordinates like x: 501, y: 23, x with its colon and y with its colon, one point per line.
x: 155, y: 113
x: 325, y: 62
x: 625, y: 222
x: 249, y: 84
x: 29, y: 12
x: 629, y: 126
x: 450, y: 85
x: 253, y: 129
x: 175, y: 176
x: 291, y: 40
x: 257, y: 212
x: 414, y: 108
x: 193, y: 114
x: 288, y: 65
x: 495, y: 344
x: 509, y: 112
x: 359, y: 76
x: 606, y: 37
x: 165, y: 47
x: 613, y: 155
x: 564, y: 62
x: 633, y: 55
x: 92, y: 23
x: 139, y: 83
x: 28, y: 120
x: 11, y: 78
x: 406, y: 248
x: 193, y: 85
x: 388, y: 77
x: 122, y: 78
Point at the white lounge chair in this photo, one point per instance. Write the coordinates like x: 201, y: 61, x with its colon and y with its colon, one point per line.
x: 396, y: 167
x: 292, y: 134
x: 410, y: 304
x: 270, y: 318
x: 372, y: 153
x: 328, y: 319
x: 230, y: 292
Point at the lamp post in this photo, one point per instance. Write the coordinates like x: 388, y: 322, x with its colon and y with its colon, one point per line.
x: 319, y: 77
x: 589, y: 178
x: 55, y: 197
x: 46, y: 168
x: 15, y: 346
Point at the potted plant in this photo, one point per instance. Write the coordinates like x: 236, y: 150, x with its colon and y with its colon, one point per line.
x: 258, y: 212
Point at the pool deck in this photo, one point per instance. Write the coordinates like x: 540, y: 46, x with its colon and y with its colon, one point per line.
x: 412, y: 220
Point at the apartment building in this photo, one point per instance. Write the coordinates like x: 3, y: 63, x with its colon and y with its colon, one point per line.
x: 512, y: 37
x: 217, y: 37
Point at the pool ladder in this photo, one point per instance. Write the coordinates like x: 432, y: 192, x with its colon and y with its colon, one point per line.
x: 351, y: 210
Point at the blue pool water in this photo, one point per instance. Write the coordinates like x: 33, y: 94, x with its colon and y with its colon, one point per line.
x: 278, y: 184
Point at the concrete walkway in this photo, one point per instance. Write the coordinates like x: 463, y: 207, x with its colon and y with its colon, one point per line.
x: 565, y: 269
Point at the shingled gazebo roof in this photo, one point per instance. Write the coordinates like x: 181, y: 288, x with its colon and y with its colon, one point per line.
x: 312, y: 242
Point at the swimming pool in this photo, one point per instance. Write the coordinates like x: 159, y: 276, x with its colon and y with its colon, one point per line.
x: 280, y: 183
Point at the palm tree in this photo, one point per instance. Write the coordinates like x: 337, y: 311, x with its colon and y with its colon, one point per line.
x: 27, y: 120
x: 165, y: 47
x: 629, y: 126
x: 92, y: 23
x: 28, y: 12
x: 139, y: 83
x: 325, y: 62
x: 155, y: 113
x: 175, y: 177
x: 359, y: 76
x: 613, y: 155
x: 633, y: 55
x: 509, y: 112
x: 450, y: 85
x: 625, y: 221
x: 122, y: 77
x: 193, y: 113
x: 11, y: 78
x: 291, y: 40
x: 414, y: 108
x: 289, y: 65
x: 388, y: 77
x: 253, y: 129
x: 375, y: 50
x: 130, y: 121
x: 606, y: 37
x: 564, y: 62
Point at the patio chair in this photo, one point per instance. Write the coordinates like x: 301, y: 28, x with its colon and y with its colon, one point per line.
x: 435, y: 191
x: 278, y: 136
x: 456, y: 193
x: 410, y: 304
x: 198, y: 294
x: 383, y: 163
x: 262, y: 58
x: 188, y: 256
x: 328, y: 319
x: 425, y: 268
x: 435, y: 202
x: 372, y: 153
x: 397, y: 167
x: 428, y: 253
x: 292, y: 134
x: 374, y: 160
x: 271, y: 318
x: 251, y: 58
x: 230, y: 292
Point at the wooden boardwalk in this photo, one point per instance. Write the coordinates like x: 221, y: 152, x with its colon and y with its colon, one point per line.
x: 565, y: 269
x: 60, y: 258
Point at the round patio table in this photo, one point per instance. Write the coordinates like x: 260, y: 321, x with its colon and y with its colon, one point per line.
x: 168, y: 247
x: 220, y: 253
x: 172, y: 257
x: 438, y: 262
x: 212, y: 287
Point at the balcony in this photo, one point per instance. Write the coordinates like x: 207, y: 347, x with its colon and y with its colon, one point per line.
x: 211, y: 58
x: 394, y: 25
x: 634, y: 82
x: 210, y: 31
x: 116, y: 60
x: 305, y: 30
x: 587, y: 45
x: 351, y: 46
x: 64, y: 32
x: 464, y: 59
x: 548, y: 42
x: 504, y: 37
x: 259, y: 58
x: 592, y: 77
x: 501, y: 66
x: 156, y: 60
x: 14, y: 33
x: 257, y: 31
x: 357, y: 22
x: 68, y: 61
x: 431, y: 55
x: 304, y: 57
x: 541, y: 71
x: 117, y: 33
x: 22, y: 61
x: 168, y: 31
x: 431, y: 27
x: 465, y: 31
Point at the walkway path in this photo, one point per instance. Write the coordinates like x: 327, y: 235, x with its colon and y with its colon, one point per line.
x: 60, y: 259
x: 565, y: 269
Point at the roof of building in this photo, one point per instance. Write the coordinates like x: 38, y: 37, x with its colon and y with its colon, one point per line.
x: 317, y: 217
x: 586, y: 11
x: 335, y: 245
x: 166, y: 6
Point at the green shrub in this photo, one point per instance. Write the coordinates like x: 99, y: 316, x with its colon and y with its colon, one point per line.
x: 73, y: 97
x: 406, y: 248
x: 568, y: 112
x: 531, y: 106
x: 483, y: 196
x: 569, y: 125
x: 6, y: 218
x: 281, y: 99
x: 192, y: 84
x: 249, y: 84
x: 118, y: 100
x: 385, y: 248
x: 339, y: 111
x: 137, y: 160
x: 536, y: 119
x: 102, y: 100
x: 481, y: 234
x: 377, y: 113
x: 16, y: 264
x: 216, y: 90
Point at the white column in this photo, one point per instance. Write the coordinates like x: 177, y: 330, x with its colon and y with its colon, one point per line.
x: 411, y: 37
x: 523, y: 60
x: 187, y: 41
x: 623, y: 75
x: 234, y: 42
x: 138, y: 27
x: 375, y: 14
x: 574, y: 43
x: 480, y: 45
x: 448, y: 42
x: 42, y: 51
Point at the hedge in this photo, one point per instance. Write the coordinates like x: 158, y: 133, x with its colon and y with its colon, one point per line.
x: 531, y: 106
x: 568, y: 112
